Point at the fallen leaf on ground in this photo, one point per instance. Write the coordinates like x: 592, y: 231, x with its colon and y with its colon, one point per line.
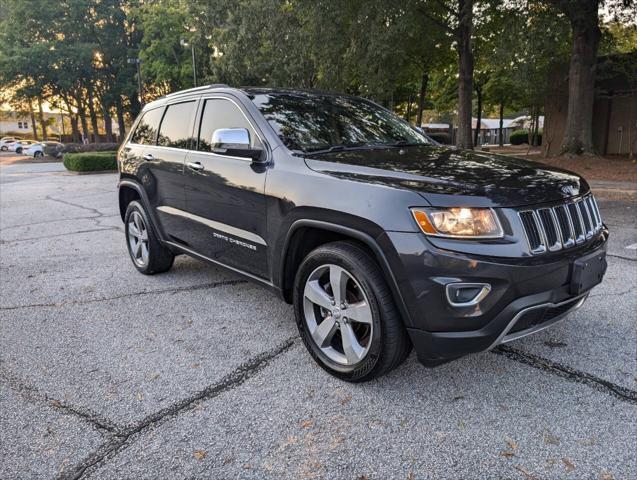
x: 568, y: 464
x: 200, y: 454
x: 606, y: 476
x: 526, y: 474
x: 307, y: 423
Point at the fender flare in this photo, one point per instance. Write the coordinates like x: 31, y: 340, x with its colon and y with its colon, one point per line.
x: 363, y: 237
x: 146, y: 203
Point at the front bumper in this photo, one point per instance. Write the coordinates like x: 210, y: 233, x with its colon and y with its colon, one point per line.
x: 527, y: 296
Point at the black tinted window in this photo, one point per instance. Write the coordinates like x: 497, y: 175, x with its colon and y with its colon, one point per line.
x: 147, y: 128
x: 218, y: 113
x: 175, y: 127
x: 311, y: 122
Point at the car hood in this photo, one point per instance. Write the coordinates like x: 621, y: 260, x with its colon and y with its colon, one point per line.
x: 445, y: 176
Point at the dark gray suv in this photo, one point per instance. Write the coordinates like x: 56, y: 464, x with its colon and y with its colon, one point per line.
x: 381, y: 239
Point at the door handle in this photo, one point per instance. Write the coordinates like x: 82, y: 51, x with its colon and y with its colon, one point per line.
x: 195, y: 166
x: 149, y: 157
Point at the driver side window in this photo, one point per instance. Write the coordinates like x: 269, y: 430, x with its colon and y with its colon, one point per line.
x: 220, y: 113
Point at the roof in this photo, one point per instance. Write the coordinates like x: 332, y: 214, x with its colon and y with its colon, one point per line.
x: 491, y: 123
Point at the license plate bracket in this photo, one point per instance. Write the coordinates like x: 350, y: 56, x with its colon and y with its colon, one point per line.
x: 588, y: 271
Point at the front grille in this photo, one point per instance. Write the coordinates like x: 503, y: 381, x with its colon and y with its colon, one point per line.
x: 562, y: 226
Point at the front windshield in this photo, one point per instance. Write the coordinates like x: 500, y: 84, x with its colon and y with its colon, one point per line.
x: 315, y: 122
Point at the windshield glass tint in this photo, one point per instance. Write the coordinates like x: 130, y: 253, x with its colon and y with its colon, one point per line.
x: 311, y: 122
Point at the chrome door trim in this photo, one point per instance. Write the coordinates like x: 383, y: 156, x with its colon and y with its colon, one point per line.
x: 222, y: 227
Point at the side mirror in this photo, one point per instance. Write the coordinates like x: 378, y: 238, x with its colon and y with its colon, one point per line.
x: 234, y: 142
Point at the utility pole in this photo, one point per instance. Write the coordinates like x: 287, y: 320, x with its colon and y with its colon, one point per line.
x: 138, y: 62
x: 184, y: 43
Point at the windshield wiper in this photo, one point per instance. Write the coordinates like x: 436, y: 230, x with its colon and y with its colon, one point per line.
x: 403, y: 143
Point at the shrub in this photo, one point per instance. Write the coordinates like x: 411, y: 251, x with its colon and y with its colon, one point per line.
x: 90, y: 161
x: 440, y: 137
x: 90, y: 147
x: 518, y: 137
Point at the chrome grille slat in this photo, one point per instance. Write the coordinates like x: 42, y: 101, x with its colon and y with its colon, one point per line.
x: 562, y: 226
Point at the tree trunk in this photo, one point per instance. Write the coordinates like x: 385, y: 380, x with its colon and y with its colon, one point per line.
x: 121, y: 124
x: 93, y: 115
x: 421, y: 98
x: 35, y: 129
x: 82, y: 114
x: 578, y: 134
x: 75, y: 131
x: 476, y: 137
x: 108, y: 125
x: 501, y: 127
x: 465, y: 70
x: 42, y: 122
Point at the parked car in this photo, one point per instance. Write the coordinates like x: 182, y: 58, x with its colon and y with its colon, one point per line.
x: 50, y: 148
x: 382, y: 240
x: 19, y: 145
x: 5, y: 142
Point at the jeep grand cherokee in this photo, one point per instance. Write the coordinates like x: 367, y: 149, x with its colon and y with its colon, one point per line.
x: 382, y: 239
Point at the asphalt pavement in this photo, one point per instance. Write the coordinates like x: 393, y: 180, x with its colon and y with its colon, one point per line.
x: 197, y: 373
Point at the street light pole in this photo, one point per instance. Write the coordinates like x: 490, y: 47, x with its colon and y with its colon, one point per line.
x: 138, y: 62
x: 184, y: 43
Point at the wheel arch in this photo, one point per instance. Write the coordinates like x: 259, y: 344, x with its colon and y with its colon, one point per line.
x: 130, y: 190
x: 305, y: 235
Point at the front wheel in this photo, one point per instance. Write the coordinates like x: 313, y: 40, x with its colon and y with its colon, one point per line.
x: 146, y: 251
x: 346, y: 314
x: 38, y: 154
x: 18, y: 150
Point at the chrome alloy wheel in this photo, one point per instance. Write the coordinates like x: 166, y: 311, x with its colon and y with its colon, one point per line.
x: 138, y: 239
x: 338, y: 314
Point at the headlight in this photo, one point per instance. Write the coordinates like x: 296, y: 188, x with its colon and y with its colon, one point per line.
x: 458, y: 222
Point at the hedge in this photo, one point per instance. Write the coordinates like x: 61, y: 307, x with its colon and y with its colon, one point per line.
x: 440, y: 137
x: 89, y: 147
x: 90, y: 161
x: 518, y: 137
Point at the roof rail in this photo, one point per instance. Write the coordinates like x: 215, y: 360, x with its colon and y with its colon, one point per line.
x: 196, y: 89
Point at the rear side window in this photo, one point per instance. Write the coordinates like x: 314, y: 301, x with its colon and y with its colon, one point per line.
x: 175, y: 127
x: 220, y: 113
x: 147, y: 129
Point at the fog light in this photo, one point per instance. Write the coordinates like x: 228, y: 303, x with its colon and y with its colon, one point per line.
x: 466, y: 294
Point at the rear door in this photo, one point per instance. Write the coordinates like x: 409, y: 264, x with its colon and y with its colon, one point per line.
x: 225, y: 198
x: 164, y: 166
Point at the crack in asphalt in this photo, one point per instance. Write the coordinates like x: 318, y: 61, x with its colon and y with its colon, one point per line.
x: 30, y: 393
x: 623, y: 258
x: 229, y: 382
x: 71, y: 204
x: 46, y: 237
x: 569, y: 373
x: 131, y: 294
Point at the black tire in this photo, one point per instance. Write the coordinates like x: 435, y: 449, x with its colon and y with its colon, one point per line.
x: 389, y: 343
x: 18, y: 150
x: 160, y: 259
x: 38, y: 154
x: 4, y: 149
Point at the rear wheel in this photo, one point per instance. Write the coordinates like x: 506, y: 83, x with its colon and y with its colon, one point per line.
x: 146, y: 251
x: 18, y: 150
x: 38, y: 154
x: 346, y: 314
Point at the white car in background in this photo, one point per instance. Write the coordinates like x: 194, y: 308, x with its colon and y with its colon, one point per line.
x: 5, y: 143
x: 50, y: 148
x: 19, y: 145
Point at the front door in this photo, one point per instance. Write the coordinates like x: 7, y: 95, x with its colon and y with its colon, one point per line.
x: 225, y: 199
